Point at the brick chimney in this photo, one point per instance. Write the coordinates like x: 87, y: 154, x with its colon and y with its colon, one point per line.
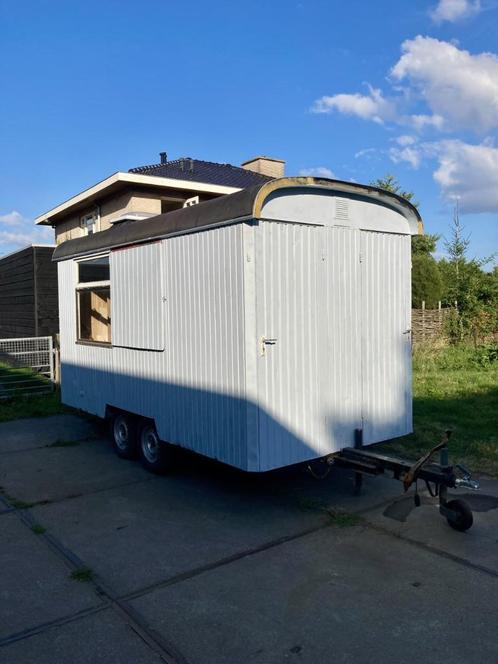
x: 274, y: 168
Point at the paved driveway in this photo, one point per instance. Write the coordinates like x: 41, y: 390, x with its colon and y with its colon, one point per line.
x: 212, y: 566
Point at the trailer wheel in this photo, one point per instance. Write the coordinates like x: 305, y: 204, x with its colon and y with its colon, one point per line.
x: 154, y: 453
x: 124, y: 435
x: 463, y: 518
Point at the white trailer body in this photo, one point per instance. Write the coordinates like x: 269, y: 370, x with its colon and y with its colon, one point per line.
x: 262, y: 329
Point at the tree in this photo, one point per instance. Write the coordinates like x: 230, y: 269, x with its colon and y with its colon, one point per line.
x: 421, y: 244
x: 426, y: 280
x: 427, y: 285
x: 473, y: 292
x: 390, y: 183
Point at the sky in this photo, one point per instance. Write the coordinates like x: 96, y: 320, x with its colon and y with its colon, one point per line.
x: 352, y: 90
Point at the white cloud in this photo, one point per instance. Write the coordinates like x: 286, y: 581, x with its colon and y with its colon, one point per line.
x: 468, y: 173
x: 460, y: 89
x: 464, y: 171
x: 13, y: 218
x: 420, y: 122
x: 17, y: 231
x: 318, y: 171
x: 412, y: 155
x: 406, y: 140
x: 454, y: 10
x: 368, y: 107
x: 366, y: 152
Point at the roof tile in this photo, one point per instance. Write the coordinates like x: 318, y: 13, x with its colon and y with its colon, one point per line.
x: 209, y: 172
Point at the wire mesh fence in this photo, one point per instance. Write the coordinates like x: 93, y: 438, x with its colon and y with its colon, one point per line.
x: 26, y: 366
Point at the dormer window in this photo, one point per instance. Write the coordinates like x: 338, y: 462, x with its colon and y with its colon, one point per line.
x: 89, y: 223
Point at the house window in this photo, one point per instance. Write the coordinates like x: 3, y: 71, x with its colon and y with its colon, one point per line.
x: 93, y: 300
x: 89, y: 223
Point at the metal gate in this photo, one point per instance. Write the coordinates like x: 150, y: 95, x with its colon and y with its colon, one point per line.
x: 26, y: 366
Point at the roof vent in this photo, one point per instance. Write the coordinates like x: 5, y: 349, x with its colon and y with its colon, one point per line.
x: 164, y: 157
x: 342, y: 209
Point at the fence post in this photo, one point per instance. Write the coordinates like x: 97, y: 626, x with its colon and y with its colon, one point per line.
x: 51, y: 359
x: 423, y: 321
x: 57, y: 360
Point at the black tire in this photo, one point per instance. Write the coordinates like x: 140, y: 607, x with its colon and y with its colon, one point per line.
x: 155, y: 454
x: 124, y: 435
x: 463, y: 518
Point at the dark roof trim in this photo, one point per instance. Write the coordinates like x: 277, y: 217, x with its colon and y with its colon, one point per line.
x: 243, y: 205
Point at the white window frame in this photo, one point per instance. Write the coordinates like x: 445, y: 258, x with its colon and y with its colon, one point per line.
x: 90, y: 220
x: 90, y: 285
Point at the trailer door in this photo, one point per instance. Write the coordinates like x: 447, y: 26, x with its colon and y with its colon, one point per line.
x: 386, y: 338
x: 308, y: 291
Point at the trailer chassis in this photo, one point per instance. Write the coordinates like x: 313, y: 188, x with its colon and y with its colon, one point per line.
x: 438, y: 477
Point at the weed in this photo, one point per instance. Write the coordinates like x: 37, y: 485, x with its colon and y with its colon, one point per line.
x: 311, y: 504
x: 82, y: 574
x: 344, y: 519
x: 37, y: 529
x: 64, y: 443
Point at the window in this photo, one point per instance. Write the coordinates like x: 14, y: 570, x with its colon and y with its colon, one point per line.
x: 93, y: 298
x: 89, y: 223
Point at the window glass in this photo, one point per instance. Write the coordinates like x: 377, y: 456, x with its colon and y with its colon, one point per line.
x: 94, y: 307
x: 89, y: 223
x: 96, y: 269
x: 93, y: 299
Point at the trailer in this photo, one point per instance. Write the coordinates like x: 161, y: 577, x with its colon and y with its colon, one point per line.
x: 265, y: 328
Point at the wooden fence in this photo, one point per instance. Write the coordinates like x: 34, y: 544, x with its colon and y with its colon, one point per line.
x: 428, y: 325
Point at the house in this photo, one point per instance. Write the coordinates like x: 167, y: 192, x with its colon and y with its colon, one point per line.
x: 147, y: 191
x: 28, y: 293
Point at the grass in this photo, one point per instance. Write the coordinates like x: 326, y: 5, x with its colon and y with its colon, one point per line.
x: 64, y: 443
x: 454, y: 388
x: 345, y: 519
x: 37, y: 529
x: 340, y: 519
x: 82, y: 574
x: 34, y: 405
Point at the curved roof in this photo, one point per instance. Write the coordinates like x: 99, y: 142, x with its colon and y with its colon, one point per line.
x: 242, y: 205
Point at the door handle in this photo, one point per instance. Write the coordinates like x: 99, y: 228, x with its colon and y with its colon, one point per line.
x: 265, y: 341
x: 407, y: 332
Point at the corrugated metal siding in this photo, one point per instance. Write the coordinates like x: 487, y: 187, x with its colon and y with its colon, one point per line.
x: 195, y: 389
x: 137, y: 297
x: 309, y: 381
x: 340, y: 358
x: 386, y: 363
x: 205, y: 293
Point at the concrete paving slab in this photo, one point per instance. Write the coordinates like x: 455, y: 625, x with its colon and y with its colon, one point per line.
x: 38, y: 432
x: 424, y: 524
x: 102, y: 638
x: 34, y: 584
x: 137, y: 535
x: 54, y: 473
x: 349, y: 595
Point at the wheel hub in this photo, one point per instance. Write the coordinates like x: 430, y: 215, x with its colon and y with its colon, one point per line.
x: 121, y: 434
x: 150, y: 445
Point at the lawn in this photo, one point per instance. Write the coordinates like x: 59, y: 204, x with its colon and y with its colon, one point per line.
x: 33, y: 405
x: 457, y: 389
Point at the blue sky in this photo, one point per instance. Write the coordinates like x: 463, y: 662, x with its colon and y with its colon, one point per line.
x: 357, y: 89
